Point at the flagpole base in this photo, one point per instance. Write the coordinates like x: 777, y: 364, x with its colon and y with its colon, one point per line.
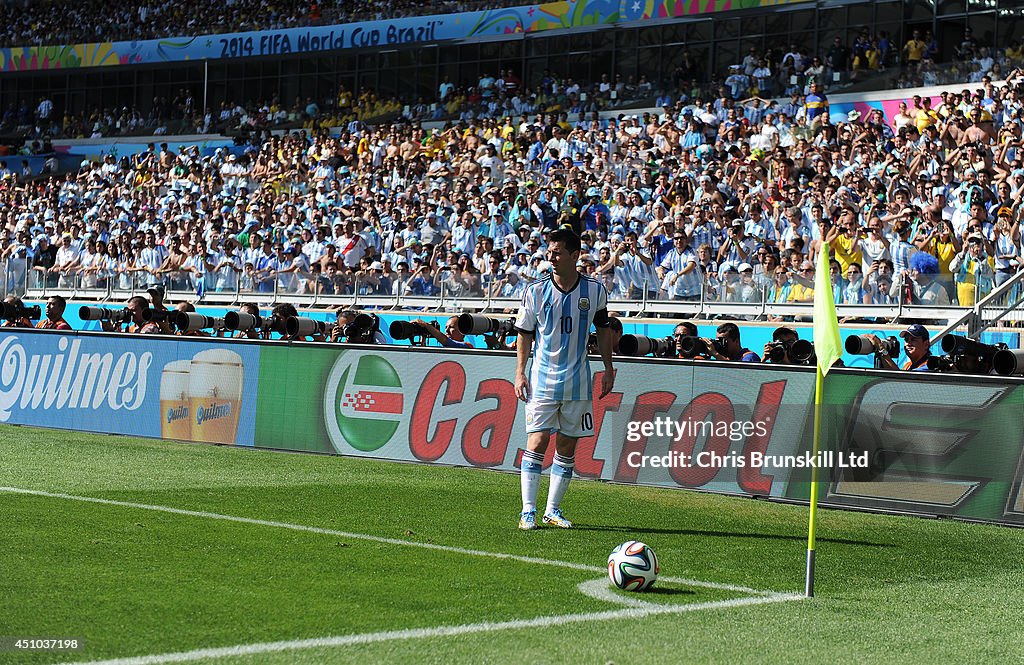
x: 809, y: 585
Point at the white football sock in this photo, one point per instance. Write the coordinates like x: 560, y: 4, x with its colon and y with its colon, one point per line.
x: 561, y: 474
x: 529, y: 478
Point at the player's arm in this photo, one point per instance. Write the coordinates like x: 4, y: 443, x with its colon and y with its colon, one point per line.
x: 523, y: 346
x: 604, y: 347
x: 526, y: 325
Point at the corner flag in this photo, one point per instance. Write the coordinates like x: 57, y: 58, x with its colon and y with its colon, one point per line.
x: 828, y: 347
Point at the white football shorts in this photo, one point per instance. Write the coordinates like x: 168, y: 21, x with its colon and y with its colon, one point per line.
x: 572, y: 418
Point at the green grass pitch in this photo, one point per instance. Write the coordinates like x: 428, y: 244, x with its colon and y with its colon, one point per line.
x: 348, y: 560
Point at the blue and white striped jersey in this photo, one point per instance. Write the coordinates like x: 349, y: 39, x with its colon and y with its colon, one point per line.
x: 686, y: 285
x: 561, y: 322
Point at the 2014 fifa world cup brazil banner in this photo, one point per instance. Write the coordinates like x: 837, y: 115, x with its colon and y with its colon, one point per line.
x: 367, y: 34
x: 155, y: 387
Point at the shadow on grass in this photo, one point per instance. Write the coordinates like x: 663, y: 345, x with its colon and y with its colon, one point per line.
x: 720, y: 534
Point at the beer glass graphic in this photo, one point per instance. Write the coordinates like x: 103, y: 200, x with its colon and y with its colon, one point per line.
x: 215, y: 395
x: 175, y: 410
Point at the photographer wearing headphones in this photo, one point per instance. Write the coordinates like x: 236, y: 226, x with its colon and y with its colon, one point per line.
x: 451, y: 338
x: 915, y: 343
x: 54, y: 320
x: 727, y: 346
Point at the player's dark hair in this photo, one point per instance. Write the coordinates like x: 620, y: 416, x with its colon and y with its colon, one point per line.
x: 567, y: 237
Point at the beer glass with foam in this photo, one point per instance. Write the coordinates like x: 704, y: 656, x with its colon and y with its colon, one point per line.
x: 215, y: 395
x: 175, y: 407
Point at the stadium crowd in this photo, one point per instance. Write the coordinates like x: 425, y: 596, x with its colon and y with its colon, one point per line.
x: 778, y: 70
x: 721, y: 199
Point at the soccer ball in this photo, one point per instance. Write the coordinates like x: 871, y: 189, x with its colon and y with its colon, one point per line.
x: 633, y: 566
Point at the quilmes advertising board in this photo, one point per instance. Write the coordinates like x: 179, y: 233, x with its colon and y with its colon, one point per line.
x: 155, y: 387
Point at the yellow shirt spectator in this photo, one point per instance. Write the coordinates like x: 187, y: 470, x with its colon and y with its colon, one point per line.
x: 926, y: 118
x: 846, y: 250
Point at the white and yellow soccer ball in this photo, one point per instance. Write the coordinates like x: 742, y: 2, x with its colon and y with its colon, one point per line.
x: 633, y: 566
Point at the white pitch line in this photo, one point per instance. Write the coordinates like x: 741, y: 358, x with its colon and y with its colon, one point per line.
x: 439, y: 631
x: 600, y: 589
x: 371, y: 538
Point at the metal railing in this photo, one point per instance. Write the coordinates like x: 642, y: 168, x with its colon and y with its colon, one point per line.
x: 1001, y: 304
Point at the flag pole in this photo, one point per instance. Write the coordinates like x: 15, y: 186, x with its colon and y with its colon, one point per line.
x: 828, y: 348
x: 819, y: 384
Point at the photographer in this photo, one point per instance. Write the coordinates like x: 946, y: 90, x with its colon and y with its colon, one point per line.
x: 777, y: 350
x: 279, y: 315
x: 156, y: 301
x: 54, y: 320
x: 726, y: 345
x: 135, y: 307
x: 357, y: 328
x: 683, y: 330
x: 451, y: 338
x: 16, y: 321
x: 252, y: 309
x: 916, y: 345
x: 185, y: 306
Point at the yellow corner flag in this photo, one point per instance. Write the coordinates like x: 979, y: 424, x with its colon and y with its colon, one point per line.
x: 828, y: 347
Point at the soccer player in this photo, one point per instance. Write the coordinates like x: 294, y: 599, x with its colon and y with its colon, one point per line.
x: 554, y: 323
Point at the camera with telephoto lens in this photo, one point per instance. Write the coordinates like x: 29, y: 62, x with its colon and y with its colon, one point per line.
x: 242, y: 321
x: 478, y: 324
x: 691, y: 347
x: 11, y: 311
x: 1008, y: 362
x: 970, y: 356
x: 940, y: 364
x: 362, y: 329
x: 777, y: 351
x: 408, y: 330
x: 960, y: 346
x: 192, y: 321
x: 150, y: 315
x: 300, y: 326
x: 117, y: 316
x: 861, y: 345
x: 800, y: 352
x: 638, y: 345
x: 275, y: 323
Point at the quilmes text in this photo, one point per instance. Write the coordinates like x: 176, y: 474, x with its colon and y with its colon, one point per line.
x: 70, y: 379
